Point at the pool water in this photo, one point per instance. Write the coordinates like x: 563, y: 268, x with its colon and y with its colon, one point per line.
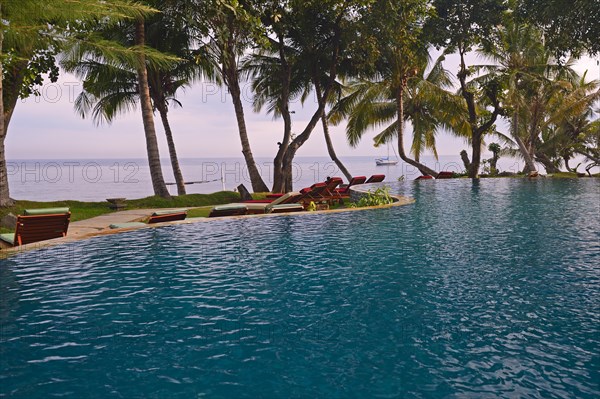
x: 485, y: 289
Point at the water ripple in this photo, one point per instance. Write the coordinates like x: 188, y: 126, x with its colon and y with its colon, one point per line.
x: 484, y: 289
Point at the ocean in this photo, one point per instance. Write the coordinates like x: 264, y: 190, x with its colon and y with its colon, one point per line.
x: 96, y: 180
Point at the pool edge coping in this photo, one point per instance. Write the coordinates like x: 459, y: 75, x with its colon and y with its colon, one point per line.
x: 9, y: 252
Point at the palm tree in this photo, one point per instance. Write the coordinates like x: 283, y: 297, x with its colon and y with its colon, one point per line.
x: 158, y: 181
x: 109, y: 89
x: 230, y: 37
x: 427, y: 104
x: 305, y: 55
x: 539, y: 92
x: 568, y: 127
x: 29, y: 39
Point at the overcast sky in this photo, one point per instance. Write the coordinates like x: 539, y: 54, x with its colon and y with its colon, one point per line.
x: 47, y: 127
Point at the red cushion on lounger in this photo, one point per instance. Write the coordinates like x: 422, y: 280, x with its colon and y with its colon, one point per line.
x: 376, y: 179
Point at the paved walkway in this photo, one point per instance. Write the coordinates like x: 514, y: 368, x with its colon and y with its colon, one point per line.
x: 102, y: 222
x: 99, y: 225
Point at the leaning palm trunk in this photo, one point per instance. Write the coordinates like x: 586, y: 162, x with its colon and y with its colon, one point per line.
x: 529, y: 163
x: 331, y: 150
x: 547, y: 162
x: 158, y: 182
x: 179, y: 181
x: 285, y: 76
x: 400, y: 105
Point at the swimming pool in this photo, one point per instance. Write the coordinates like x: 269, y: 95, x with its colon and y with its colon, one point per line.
x: 479, y: 289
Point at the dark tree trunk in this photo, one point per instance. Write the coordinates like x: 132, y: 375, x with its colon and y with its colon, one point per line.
x: 279, y: 175
x: 293, y: 147
x: 547, y: 162
x: 258, y: 185
x: 331, y: 150
x: 477, y: 130
x: 158, y: 182
x: 179, y: 181
x: 465, y: 158
x: 529, y: 162
x: 10, y: 89
x: 566, y: 158
x: 400, y: 110
x: 328, y: 142
x: 4, y: 189
x: 493, y: 164
x: 476, y: 141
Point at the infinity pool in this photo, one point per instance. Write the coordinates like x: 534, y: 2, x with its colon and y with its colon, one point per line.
x: 484, y: 289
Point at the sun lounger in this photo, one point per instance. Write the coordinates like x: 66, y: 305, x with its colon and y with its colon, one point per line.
x: 344, y: 190
x: 228, y: 210
x: 376, y: 179
x: 445, y: 175
x: 261, y: 207
x: 39, y: 225
x: 314, y: 193
x: 168, y: 216
x: 284, y: 208
x: 330, y: 193
x: 424, y: 177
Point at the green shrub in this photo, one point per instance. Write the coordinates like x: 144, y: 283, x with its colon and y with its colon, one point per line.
x: 378, y: 197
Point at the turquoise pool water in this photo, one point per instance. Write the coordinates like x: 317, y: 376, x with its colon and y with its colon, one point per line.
x: 484, y: 289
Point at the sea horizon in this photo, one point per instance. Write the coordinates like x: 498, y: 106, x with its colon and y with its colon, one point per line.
x: 95, y: 179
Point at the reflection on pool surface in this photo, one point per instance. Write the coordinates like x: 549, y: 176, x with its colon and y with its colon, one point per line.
x: 479, y: 289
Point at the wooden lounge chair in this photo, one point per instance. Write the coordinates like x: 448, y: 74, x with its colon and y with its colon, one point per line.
x: 261, y: 207
x: 228, y: 210
x: 344, y: 190
x: 445, y: 175
x: 168, y: 216
x: 39, y: 225
x: 284, y: 208
x: 314, y: 193
x: 330, y: 192
x: 375, y: 179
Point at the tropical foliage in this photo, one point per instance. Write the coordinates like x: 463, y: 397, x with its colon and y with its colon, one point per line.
x: 366, y: 62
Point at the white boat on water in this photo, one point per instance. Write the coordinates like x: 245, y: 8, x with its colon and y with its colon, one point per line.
x: 387, y: 161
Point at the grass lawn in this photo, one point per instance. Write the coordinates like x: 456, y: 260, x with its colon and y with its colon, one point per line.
x: 85, y: 210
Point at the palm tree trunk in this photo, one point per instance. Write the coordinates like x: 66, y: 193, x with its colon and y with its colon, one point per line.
x: 476, y: 142
x: 547, y: 162
x: 567, y: 159
x: 258, y: 184
x: 279, y: 181
x: 158, y: 181
x: 179, y: 181
x: 331, y: 150
x: 529, y: 163
x: 4, y: 190
x: 328, y: 142
x: 400, y: 110
x: 465, y: 158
